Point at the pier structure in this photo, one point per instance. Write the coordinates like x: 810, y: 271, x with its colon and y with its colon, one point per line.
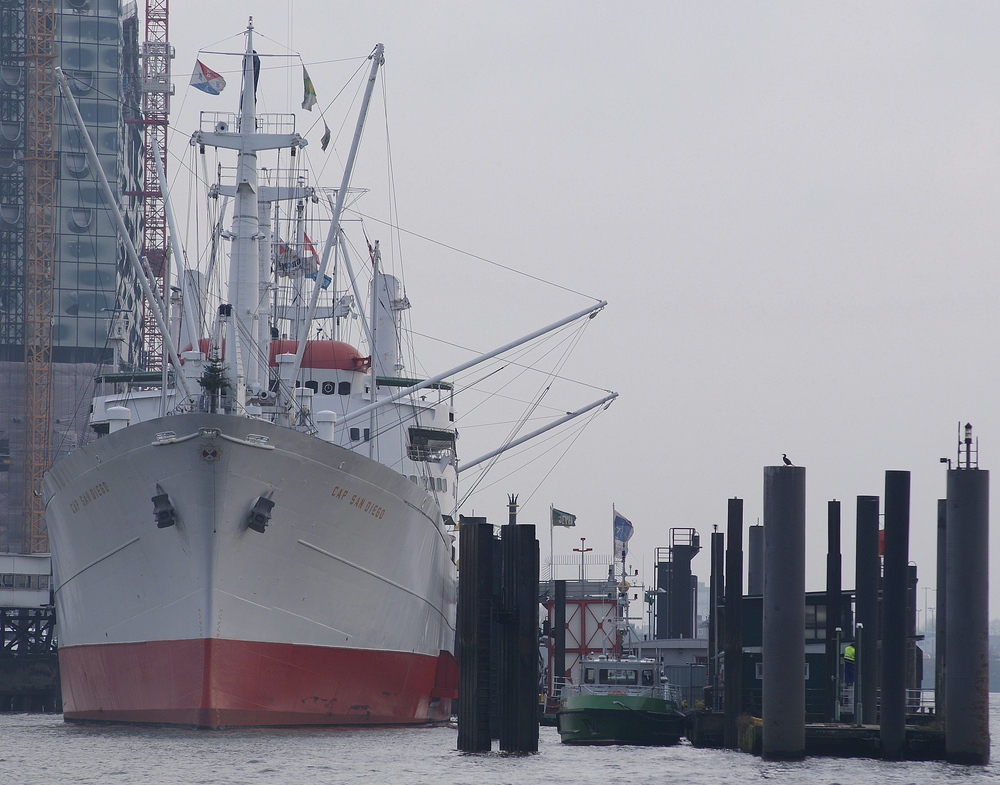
x: 497, y: 637
x: 783, y: 649
x: 867, y: 574
x: 940, y: 617
x: 755, y: 559
x: 734, y: 622
x: 900, y: 726
x: 892, y: 717
x: 716, y: 589
x: 967, y: 731
x: 834, y: 630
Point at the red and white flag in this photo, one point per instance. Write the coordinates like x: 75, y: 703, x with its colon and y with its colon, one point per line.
x: 204, y: 78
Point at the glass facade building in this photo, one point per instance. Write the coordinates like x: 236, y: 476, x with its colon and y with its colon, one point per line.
x: 92, y: 40
x: 96, y: 45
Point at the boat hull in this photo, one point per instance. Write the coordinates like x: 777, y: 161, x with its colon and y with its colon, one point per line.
x: 619, y: 719
x: 211, y: 683
x: 340, y: 612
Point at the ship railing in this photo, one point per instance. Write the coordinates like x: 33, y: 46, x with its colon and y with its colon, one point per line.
x: 426, y: 453
x: 666, y: 692
x: 671, y: 692
x: 561, y: 687
x: 266, y: 122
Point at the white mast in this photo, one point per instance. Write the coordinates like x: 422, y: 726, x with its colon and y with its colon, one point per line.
x: 244, y: 278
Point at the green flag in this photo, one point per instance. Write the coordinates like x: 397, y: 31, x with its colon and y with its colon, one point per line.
x: 560, y: 518
x: 309, y: 92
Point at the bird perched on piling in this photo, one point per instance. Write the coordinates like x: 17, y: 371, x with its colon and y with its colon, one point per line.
x: 785, y: 459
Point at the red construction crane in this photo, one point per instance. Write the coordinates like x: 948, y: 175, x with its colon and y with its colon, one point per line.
x: 156, y: 91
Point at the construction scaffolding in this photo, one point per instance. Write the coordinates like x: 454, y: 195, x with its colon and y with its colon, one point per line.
x: 39, y: 201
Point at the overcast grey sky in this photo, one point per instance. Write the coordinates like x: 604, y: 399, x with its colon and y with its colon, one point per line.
x: 792, y: 209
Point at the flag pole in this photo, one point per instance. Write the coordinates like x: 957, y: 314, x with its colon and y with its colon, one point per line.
x: 552, y: 553
x: 614, y: 514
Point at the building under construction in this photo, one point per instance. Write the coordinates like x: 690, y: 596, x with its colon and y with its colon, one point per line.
x: 63, y: 281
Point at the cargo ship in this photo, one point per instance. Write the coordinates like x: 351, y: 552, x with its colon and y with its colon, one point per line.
x: 229, y: 551
x: 263, y: 534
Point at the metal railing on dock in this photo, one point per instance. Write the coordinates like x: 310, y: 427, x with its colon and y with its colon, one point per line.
x: 917, y: 701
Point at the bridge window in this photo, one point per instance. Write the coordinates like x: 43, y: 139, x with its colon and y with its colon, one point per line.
x: 619, y: 676
x: 428, y: 444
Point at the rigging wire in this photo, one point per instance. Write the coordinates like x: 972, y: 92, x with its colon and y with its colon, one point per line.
x: 543, y: 392
x: 575, y: 431
x: 471, y: 255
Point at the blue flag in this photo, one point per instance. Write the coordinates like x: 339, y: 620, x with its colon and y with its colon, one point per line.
x: 327, y: 280
x: 623, y: 533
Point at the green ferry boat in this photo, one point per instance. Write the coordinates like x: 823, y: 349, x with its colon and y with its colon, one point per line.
x: 620, y: 701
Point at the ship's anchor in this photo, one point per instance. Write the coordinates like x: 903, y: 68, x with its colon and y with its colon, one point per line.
x: 260, y: 513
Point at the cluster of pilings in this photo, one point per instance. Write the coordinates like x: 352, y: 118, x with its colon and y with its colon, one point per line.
x: 963, y: 660
x: 498, y: 637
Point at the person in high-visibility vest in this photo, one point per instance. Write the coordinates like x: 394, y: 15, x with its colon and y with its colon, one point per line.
x: 849, y: 655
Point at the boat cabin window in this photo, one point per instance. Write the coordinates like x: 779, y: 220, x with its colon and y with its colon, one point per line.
x: 356, y: 434
x: 647, y: 677
x: 314, y: 386
x: 336, y: 388
x: 619, y: 676
x: 427, y: 444
x: 589, y: 675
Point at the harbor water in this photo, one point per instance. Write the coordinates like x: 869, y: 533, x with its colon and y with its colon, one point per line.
x: 40, y: 749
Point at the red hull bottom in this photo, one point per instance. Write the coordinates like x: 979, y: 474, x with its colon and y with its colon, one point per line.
x: 210, y: 683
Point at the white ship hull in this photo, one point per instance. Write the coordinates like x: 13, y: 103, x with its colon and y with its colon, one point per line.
x: 340, y: 611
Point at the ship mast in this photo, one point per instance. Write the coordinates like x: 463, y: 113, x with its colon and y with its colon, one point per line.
x: 244, y: 272
x: 244, y: 283
x: 333, y: 233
